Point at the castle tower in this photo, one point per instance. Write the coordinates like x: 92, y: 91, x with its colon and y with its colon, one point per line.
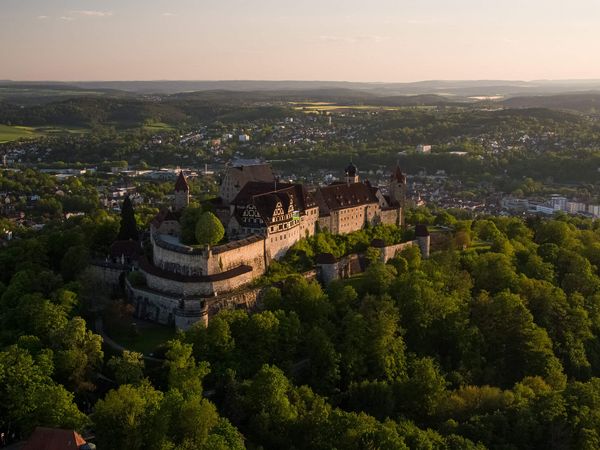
x: 351, y: 174
x: 423, y: 239
x: 182, y: 192
x: 397, y: 192
x: 397, y: 187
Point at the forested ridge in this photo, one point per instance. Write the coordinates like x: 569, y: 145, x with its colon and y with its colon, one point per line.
x: 490, y: 343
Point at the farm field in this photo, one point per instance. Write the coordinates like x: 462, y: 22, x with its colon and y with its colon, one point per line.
x: 10, y: 133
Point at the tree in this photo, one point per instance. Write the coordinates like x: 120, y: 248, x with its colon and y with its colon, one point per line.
x: 183, y: 372
x: 128, y: 229
x: 128, y: 418
x: 128, y: 368
x: 29, y: 396
x: 514, y: 346
x: 209, y: 229
x: 189, y: 218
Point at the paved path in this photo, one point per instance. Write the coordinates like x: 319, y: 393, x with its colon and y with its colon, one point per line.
x: 115, y: 345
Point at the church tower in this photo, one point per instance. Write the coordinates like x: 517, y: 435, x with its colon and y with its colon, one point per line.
x: 182, y: 193
x: 351, y: 174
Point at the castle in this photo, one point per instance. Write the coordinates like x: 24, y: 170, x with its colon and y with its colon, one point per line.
x: 263, y: 219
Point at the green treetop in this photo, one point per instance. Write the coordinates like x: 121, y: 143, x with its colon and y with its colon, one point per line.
x: 209, y: 230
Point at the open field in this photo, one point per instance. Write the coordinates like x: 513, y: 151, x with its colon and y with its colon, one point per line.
x: 139, y: 335
x: 158, y: 126
x: 10, y: 133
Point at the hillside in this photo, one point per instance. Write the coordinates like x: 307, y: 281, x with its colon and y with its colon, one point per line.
x: 586, y: 102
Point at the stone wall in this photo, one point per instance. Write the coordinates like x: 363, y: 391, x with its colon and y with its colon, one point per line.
x: 192, y: 261
x: 183, y: 313
x: 192, y: 288
x: 391, y: 251
x: 391, y: 216
x: 109, y: 274
x: 250, y: 252
x: 186, y: 263
x: 247, y: 299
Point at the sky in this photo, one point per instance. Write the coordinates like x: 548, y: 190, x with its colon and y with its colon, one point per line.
x: 341, y: 40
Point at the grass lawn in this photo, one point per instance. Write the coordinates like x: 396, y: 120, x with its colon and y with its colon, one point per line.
x: 13, y: 132
x: 479, y: 246
x: 158, y: 126
x: 139, y: 335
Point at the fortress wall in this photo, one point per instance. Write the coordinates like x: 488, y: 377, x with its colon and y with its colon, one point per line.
x: 391, y: 251
x: 183, y: 263
x: 391, y: 216
x: 205, y: 289
x: 247, y: 299
x: 252, y: 254
x: 164, y: 308
x: 151, y: 305
x: 107, y: 274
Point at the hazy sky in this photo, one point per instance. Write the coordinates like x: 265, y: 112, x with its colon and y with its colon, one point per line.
x: 355, y: 40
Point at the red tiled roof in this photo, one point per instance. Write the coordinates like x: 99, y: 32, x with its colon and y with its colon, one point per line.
x: 53, y: 439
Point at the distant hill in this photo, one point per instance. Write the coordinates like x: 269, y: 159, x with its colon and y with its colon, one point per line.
x: 447, y: 88
x: 586, y: 102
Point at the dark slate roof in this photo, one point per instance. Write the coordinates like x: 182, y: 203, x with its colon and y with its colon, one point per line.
x: 256, y: 172
x: 266, y: 204
x: 351, y: 170
x: 53, y: 439
x: 325, y: 258
x: 165, y: 214
x: 181, y: 184
x: 302, y: 198
x: 421, y: 230
x: 129, y: 249
x: 342, y: 196
x: 398, y: 175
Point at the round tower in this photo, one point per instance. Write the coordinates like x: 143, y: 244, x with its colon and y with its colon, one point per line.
x: 423, y: 239
x: 351, y: 174
x: 182, y: 193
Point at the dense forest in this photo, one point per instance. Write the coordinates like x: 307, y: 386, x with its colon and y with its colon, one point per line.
x: 493, y: 342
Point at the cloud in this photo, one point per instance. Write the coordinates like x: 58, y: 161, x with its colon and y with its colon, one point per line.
x: 91, y: 13
x: 42, y: 17
x: 168, y: 14
x: 67, y: 18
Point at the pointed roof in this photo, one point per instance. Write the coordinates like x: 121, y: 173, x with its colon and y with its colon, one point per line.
x: 54, y: 439
x: 398, y: 175
x: 181, y: 184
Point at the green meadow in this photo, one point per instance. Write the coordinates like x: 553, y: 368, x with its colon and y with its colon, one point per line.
x: 10, y: 133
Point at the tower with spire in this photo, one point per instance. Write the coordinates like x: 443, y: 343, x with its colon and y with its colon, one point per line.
x: 182, y: 192
x: 397, y: 187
